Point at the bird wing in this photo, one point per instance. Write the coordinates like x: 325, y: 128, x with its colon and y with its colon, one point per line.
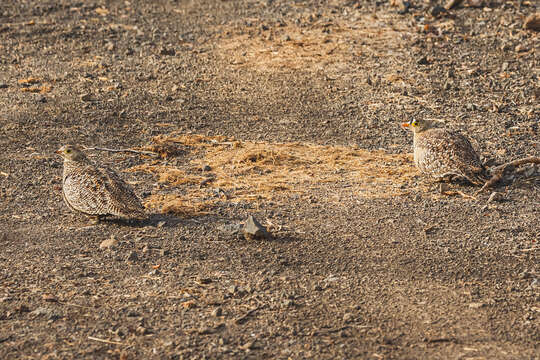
x: 459, y: 154
x: 121, y: 198
x: 84, y: 192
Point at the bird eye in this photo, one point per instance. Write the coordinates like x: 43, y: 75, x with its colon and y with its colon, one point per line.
x: 68, y: 151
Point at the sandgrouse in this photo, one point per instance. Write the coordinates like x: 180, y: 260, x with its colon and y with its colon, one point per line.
x: 96, y: 190
x: 444, y: 154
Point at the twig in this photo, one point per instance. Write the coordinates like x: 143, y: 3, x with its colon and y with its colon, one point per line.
x: 105, y: 341
x: 518, y: 162
x: 151, y: 153
x: 498, y: 171
x: 242, y: 318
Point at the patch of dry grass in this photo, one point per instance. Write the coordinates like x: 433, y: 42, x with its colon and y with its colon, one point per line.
x: 247, y: 171
x: 323, y: 43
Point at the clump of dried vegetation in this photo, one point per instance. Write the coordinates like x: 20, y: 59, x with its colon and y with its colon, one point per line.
x: 250, y: 172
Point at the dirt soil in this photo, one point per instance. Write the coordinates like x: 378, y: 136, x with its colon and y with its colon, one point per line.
x: 288, y: 111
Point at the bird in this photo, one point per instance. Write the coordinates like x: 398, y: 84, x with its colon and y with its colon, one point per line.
x: 444, y: 154
x: 96, y: 190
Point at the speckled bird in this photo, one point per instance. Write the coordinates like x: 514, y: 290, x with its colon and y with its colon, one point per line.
x: 445, y: 155
x: 96, y: 190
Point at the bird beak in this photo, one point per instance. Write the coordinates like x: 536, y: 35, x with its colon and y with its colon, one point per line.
x: 59, y: 152
x: 405, y: 125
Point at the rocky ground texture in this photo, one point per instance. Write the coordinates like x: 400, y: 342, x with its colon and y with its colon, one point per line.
x: 358, y: 265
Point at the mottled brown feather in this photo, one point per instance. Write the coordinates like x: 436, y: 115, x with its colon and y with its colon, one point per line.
x: 441, y: 153
x: 97, y: 190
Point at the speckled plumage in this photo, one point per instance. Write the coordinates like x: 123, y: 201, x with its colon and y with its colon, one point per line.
x: 443, y: 154
x: 96, y: 190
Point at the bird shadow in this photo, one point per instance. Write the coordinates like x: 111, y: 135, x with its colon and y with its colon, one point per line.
x: 156, y: 219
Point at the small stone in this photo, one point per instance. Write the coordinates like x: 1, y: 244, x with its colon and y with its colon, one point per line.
x: 254, y: 230
x: 204, y: 281
x: 437, y: 10
x: 443, y: 188
x: 475, y: 3
x: 232, y: 289
x: 247, y: 346
x: 217, y: 312
x: 348, y: 317
x: 495, y: 196
x: 476, y: 305
x: 87, y: 97
x: 49, y: 298
x: 161, y: 224
x: 164, y: 252
x: 174, y: 88
x: 141, y: 330
x: 288, y: 302
x: 107, y: 244
x: 470, y: 107
x: 167, y: 52
x: 452, y: 3
x: 532, y: 22
x: 423, y: 61
x: 285, y: 38
x: 109, y: 46
x: 206, y: 168
x: 205, y: 330
x: 520, y: 48
x: 404, y: 7
x: 41, y: 311
x: 132, y: 256
x: 264, y: 27
x: 504, y: 66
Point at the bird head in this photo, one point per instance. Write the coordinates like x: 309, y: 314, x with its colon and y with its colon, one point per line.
x: 418, y: 125
x: 71, y: 152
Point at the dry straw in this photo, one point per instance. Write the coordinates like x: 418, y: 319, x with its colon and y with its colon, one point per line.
x: 247, y: 171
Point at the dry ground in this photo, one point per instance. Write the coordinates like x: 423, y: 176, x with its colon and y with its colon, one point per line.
x: 289, y: 111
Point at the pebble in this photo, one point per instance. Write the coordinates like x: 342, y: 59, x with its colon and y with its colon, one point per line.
x: 107, y: 244
x: 403, y: 7
x: 348, y: 317
x: 495, y: 196
x: 167, y: 52
x: 204, y: 281
x: 87, y: 97
x: 206, y: 168
x: 217, y: 312
x: 288, y: 302
x: 475, y: 3
x: 452, y: 3
x: 132, y: 256
x: 422, y: 61
x: 476, y: 305
x: 254, y: 230
x: 437, y: 10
